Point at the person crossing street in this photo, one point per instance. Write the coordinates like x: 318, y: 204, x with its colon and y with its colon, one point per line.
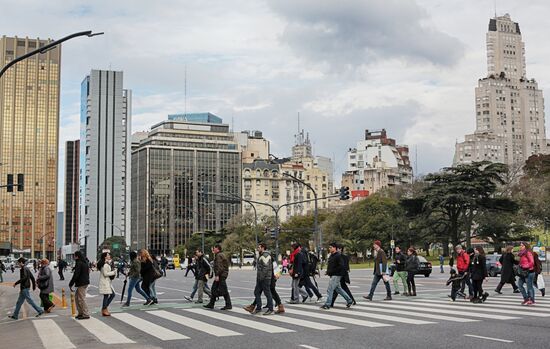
x: 26, y: 279
x: 201, y: 275
x: 345, y: 280
x: 335, y: 270
x: 380, y: 272
x: 44, y: 282
x: 61, y: 265
x: 297, y: 272
x: 400, y: 272
x: 264, y: 273
x: 221, y: 272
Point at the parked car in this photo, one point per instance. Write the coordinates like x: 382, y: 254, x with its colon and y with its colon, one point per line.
x: 424, y: 267
x: 494, y: 268
x: 170, y: 264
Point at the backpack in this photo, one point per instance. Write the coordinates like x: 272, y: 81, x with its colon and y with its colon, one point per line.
x: 312, y: 261
x: 538, y: 264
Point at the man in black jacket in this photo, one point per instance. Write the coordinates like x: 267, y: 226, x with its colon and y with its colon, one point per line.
x: 24, y: 282
x: 80, y: 279
x: 201, y: 275
x: 344, y: 281
x: 219, y: 286
x: 400, y: 272
x: 335, y: 269
x: 297, y: 272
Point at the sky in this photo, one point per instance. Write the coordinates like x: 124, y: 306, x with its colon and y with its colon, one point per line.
x: 409, y: 66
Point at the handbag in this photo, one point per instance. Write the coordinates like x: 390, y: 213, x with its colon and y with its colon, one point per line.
x: 386, y: 278
x: 520, y: 272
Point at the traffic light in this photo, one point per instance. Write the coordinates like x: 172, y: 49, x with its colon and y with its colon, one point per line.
x: 273, y: 233
x: 20, y: 182
x: 344, y: 193
x: 9, y: 185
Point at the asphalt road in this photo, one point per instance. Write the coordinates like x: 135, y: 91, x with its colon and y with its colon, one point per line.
x: 428, y: 321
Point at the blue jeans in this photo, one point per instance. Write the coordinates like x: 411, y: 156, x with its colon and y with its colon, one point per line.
x: 196, y: 286
x: 134, y: 283
x: 334, y: 285
x: 152, y: 290
x: 107, y: 299
x: 25, y: 295
x: 530, y: 294
x: 376, y: 279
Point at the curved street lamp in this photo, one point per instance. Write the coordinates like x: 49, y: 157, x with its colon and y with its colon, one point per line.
x: 46, y: 48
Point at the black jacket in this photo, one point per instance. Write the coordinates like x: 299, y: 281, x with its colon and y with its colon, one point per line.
x: 335, y: 266
x: 25, y: 279
x: 478, y: 268
x: 412, y: 263
x: 147, y: 272
x: 508, y: 261
x: 402, y: 261
x: 299, y: 266
x: 81, y: 274
x: 203, y: 268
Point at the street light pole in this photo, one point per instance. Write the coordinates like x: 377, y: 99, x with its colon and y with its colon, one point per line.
x: 46, y: 48
x: 316, y: 212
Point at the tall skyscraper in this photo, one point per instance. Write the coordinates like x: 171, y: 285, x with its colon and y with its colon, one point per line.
x: 510, y: 122
x: 176, y: 170
x: 104, y: 158
x: 29, y: 127
x: 72, y: 188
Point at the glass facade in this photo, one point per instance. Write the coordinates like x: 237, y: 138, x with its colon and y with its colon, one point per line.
x: 29, y: 125
x: 173, y: 187
x: 71, y: 212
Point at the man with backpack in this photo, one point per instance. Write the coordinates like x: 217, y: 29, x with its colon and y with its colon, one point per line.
x: 311, y: 269
x: 25, y: 280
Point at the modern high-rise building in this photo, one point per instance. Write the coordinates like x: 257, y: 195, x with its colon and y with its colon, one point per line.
x: 72, y: 189
x: 105, y: 122
x: 377, y: 162
x: 176, y: 172
x: 29, y: 127
x: 510, y: 121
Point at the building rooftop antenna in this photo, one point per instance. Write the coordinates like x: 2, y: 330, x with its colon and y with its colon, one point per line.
x: 495, y: 8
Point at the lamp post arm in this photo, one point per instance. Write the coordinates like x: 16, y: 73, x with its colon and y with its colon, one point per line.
x: 46, y: 48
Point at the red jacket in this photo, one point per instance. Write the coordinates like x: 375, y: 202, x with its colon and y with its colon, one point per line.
x: 526, y: 260
x: 462, y: 262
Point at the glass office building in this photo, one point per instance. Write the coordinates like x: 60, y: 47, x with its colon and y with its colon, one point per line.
x: 29, y: 127
x: 176, y: 172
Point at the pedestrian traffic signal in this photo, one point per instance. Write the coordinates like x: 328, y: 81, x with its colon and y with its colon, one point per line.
x: 20, y: 182
x: 9, y: 184
x: 273, y: 233
x: 344, y: 193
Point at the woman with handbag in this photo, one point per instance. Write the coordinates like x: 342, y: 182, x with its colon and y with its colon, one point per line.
x: 45, y: 284
x: 148, y: 274
x: 106, y: 276
x: 411, y: 267
x: 526, y: 273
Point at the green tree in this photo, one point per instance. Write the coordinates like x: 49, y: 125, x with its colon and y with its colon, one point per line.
x: 455, y: 196
x: 116, y: 244
x: 533, y: 189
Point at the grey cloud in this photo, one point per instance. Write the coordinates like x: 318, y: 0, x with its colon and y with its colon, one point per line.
x: 348, y: 33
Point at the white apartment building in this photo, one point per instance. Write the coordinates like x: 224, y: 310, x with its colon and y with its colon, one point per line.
x: 104, y: 159
x: 510, y: 121
x: 377, y: 162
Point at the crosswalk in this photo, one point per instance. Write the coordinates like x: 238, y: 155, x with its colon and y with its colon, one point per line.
x: 194, y: 323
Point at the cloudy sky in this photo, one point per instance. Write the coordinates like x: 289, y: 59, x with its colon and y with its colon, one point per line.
x: 345, y: 66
